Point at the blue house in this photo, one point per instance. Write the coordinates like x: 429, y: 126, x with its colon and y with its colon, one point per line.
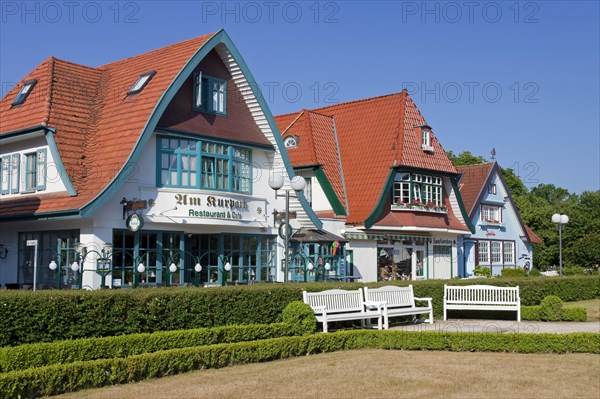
x: 501, y: 239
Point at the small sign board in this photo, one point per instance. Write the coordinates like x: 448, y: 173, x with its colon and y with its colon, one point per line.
x: 32, y: 243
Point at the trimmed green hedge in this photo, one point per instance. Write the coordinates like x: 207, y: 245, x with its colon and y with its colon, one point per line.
x: 45, y: 316
x: 551, y: 309
x: 36, y: 355
x: 60, y: 378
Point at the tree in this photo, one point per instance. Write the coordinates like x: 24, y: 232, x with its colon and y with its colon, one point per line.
x: 465, y: 158
x: 514, y: 182
x: 585, y: 252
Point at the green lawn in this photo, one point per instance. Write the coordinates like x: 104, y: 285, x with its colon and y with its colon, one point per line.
x: 592, y: 306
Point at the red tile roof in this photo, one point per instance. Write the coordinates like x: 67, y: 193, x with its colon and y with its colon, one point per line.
x: 96, y: 124
x: 377, y: 134
x: 422, y: 219
x: 472, y: 184
x: 316, y: 145
x: 533, y: 238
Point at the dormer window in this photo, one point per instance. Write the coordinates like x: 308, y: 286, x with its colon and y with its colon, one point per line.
x: 426, y: 140
x: 291, y: 142
x: 142, y: 81
x: 210, y: 94
x: 24, y: 92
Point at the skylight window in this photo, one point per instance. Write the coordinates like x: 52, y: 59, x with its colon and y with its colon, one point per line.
x: 141, y: 82
x: 24, y: 92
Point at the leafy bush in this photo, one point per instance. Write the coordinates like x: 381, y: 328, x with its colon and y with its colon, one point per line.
x: 551, y: 309
x: 482, y: 271
x: 42, y: 354
x: 534, y: 272
x: 573, y: 271
x: 509, y: 272
x: 45, y: 316
x: 299, y: 314
x: 59, y: 378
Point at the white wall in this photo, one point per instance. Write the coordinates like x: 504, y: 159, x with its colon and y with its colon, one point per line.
x: 54, y: 174
x: 365, y: 259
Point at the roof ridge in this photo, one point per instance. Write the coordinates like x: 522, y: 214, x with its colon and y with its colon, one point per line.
x: 400, y: 130
x: 163, y: 48
x: 50, y: 87
x: 352, y: 102
x: 293, y: 122
x: 310, y: 129
x: 73, y: 63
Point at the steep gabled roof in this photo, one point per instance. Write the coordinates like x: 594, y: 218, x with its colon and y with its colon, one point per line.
x: 473, y: 183
x: 317, y: 146
x: 473, y: 186
x: 375, y: 135
x: 96, y: 125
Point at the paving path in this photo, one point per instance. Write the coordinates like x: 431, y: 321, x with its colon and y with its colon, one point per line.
x: 502, y: 326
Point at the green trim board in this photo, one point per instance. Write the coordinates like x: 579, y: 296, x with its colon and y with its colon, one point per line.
x: 383, y: 198
x: 220, y: 37
x: 336, y: 205
x: 200, y: 136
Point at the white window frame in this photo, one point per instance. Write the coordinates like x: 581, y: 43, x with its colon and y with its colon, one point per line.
x: 483, y: 248
x: 490, y: 213
x: 508, y: 252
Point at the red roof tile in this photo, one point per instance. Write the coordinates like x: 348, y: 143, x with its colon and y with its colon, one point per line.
x: 422, y: 219
x: 377, y: 134
x: 472, y: 183
x: 533, y: 238
x: 96, y: 124
x: 316, y: 145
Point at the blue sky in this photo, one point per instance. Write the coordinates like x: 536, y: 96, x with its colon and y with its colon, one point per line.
x: 520, y: 77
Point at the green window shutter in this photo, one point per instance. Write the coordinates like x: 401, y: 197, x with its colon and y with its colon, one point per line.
x: 15, y: 175
x: 198, y: 95
x: 41, y: 169
x: 4, y: 174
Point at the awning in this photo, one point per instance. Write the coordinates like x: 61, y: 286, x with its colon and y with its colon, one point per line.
x: 385, y: 236
x: 312, y: 235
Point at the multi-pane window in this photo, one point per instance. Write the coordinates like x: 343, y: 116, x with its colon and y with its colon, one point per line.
x: 308, y: 190
x: 509, y: 252
x: 484, y: 252
x: 35, y: 170
x: 204, y: 165
x: 491, y: 214
x: 492, y: 188
x: 31, y: 176
x: 496, y: 252
x: 210, y: 94
x: 425, y: 138
x: 413, y: 187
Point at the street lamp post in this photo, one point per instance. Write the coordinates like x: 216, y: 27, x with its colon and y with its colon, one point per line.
x: 298, y: 183
x: 560, y: 221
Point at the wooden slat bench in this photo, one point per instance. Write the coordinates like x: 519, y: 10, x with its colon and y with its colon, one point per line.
x: 482, y: 297
x: 399, y: 301
x: 341, y: 305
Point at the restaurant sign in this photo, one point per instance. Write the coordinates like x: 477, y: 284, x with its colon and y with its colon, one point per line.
x: 201, y: 206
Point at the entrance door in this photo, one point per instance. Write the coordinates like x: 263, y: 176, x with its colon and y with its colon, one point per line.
x: 442, y: 262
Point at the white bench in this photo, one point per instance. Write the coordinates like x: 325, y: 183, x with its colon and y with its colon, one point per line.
x: 399, y: 301
x: 482, y: 297
x: 341, y: 305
